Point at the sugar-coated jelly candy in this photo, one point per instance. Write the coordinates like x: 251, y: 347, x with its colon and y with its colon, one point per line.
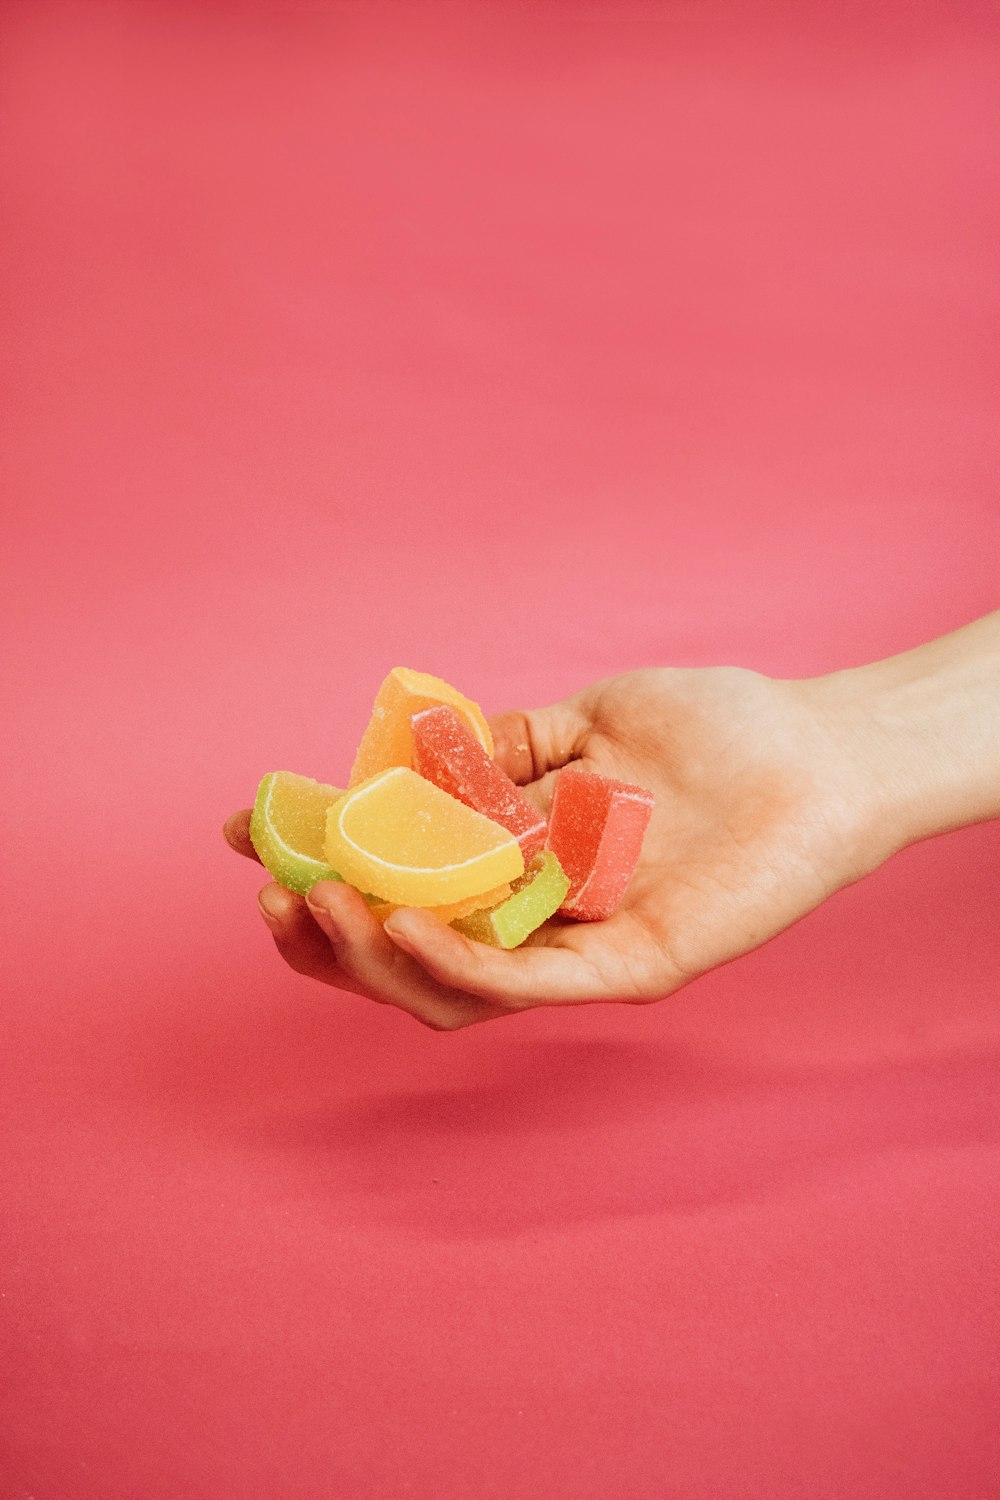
x: 287, y: 828
x: 401, y: 838
x: 387, y: 741
x: 596, y: 827
x: 450, y: 913
x: 534, y: 898
x: 447, y: 752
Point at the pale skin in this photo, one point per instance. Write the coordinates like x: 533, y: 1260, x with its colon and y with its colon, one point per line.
x: 770, y: 795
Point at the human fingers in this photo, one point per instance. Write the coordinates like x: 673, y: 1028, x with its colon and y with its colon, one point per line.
x: 297, y: 938
x: 375, y: 966
x: 302, y: 935
x: 529, y: 743
x: 236, y: 831
x: 558, y: 971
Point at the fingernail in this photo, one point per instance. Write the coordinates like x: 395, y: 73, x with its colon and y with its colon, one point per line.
x: 324, y: 916
x: 272, y: 918
x: 397, y: 932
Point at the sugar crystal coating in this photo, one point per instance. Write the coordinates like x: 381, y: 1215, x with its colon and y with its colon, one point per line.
x: 432, y: 821
x: 404, y: 840
x: 448, y: 753
x: 449, y: 913
x: 533, y: 899
x: 287, y: 828
x: 387, y: 740
x: 596, y: 827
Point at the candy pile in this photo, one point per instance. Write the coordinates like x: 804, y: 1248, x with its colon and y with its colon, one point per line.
x: 429, y: 819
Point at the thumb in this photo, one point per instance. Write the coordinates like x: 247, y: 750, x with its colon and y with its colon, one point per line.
x: 530, y: 743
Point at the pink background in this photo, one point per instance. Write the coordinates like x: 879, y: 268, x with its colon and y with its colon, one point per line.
x: 522, y: 344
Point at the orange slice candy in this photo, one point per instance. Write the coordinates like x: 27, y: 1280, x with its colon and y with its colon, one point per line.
x: 388, y: 741
x: 453, y: 911
x: 402, y: 839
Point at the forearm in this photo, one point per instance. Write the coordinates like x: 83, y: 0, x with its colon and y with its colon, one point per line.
x: 924, y: 730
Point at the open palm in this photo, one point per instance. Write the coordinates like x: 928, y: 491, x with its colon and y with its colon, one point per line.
x: 753, y: 826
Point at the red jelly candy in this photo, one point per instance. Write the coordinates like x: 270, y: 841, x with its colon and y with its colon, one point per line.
x: 595, y: 830
x: 446, y: 752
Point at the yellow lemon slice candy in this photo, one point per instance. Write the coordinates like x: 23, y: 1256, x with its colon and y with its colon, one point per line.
x: 404, y: 840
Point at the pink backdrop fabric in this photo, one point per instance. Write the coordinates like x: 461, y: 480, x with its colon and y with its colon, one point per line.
x: 523, y: 344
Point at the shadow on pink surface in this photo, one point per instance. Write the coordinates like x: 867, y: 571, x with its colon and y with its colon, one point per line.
x: 563, y: 1132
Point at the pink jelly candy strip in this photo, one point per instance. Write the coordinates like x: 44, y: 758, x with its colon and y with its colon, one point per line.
x: 596, y: 828
x: 446, y: 752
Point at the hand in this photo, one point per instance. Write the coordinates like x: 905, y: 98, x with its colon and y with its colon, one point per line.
x: 763, y: 809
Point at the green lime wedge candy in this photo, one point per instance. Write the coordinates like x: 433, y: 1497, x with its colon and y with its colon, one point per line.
x: 287, y: 828
x: 535, y: 896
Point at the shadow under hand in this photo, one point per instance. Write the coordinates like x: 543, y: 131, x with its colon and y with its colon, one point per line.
x: 558, y: 1133
x: 530, y: 1129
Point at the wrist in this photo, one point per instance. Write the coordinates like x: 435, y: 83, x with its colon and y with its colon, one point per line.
x: 920, y: 733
